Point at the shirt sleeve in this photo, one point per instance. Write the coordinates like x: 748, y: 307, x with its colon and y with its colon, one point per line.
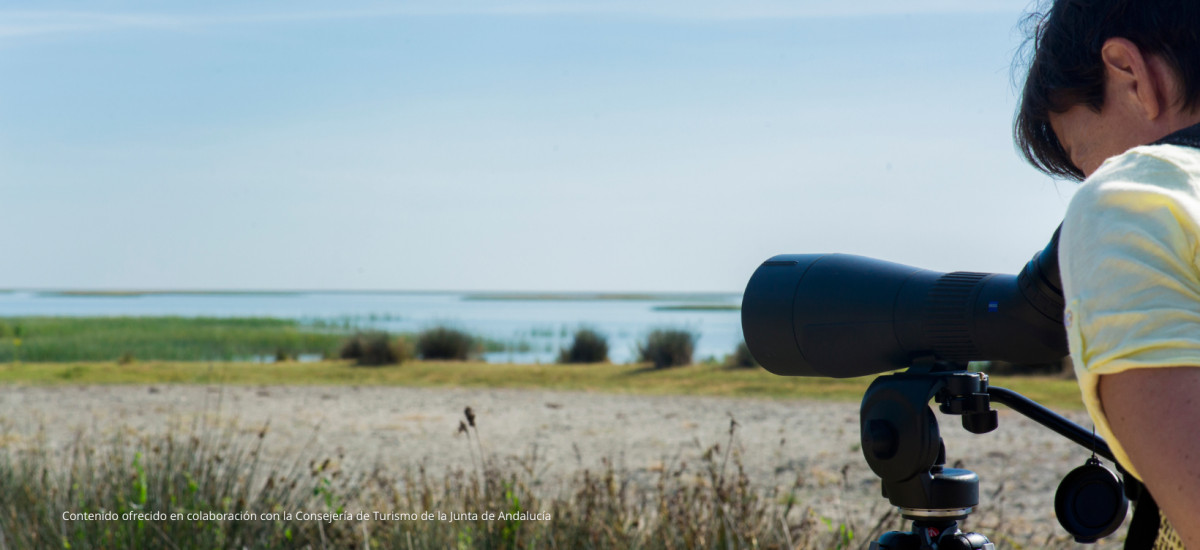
x: 1130, y: 280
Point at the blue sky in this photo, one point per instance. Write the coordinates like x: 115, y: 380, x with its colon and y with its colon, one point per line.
x: 465, y: 145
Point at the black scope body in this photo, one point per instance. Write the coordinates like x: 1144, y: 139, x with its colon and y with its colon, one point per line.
x: 841, y: 316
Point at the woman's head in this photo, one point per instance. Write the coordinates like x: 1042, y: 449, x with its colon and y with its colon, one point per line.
x: 1099, y: 69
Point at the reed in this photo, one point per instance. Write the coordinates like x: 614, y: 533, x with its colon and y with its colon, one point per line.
x: 60, y: 339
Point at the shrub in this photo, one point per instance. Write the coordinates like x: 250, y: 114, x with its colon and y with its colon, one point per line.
x: 351, y: 347
x: 588, y: 346
x: 374, y: 349
x: 668, y: 348
x: 741, y: 357
x: 379, y: 349
x: 446, y: 343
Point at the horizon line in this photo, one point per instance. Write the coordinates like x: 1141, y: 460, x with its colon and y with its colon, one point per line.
x: 500, y: 292
x: 41, y: 22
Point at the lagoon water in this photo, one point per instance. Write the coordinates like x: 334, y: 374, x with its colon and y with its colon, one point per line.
x: 533, y: 326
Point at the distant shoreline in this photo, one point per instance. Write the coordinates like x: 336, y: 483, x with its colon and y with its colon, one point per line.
x: 699, y: 307
x: 467, y: 295
x: 592, y: 296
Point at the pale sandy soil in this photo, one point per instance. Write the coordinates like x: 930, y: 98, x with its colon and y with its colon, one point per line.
x: 1020, y: 464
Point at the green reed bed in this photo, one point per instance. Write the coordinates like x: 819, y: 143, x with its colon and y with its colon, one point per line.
x: 58, y: 339
x: 61, y: 339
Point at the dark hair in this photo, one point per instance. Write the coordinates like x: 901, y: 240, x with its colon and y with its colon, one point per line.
x: 1066, y: 69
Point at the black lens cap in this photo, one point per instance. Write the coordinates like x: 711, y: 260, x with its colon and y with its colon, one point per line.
x: 1090, y: 502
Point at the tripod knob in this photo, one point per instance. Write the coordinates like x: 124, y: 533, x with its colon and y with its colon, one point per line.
x: 981, y: 422
x: 883, y: 437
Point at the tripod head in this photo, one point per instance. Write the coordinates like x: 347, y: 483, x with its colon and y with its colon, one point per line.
x: 902, y: 444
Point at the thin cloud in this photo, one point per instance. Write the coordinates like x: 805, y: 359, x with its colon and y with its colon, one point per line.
x: 31, y: 23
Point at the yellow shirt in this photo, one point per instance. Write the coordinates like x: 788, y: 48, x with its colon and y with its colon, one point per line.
x: 1131, y: 282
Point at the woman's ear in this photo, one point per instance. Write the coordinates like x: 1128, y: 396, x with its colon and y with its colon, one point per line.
x: 1131, y: 81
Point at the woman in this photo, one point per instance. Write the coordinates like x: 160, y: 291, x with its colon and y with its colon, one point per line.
x: 1112, y: 98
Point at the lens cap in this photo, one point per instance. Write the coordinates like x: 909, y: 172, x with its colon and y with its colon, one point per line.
x: 1090, y: 502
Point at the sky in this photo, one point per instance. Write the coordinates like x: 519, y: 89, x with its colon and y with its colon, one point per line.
x: 538, y: 145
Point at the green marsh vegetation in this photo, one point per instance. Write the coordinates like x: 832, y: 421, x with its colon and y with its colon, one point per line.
x: 701, y: 297
x: 137, y: 293
x: 197, y: 351
x: 59, y: 339
x: 153, y: 350
x: 129, y: 339
x: 699, y: 307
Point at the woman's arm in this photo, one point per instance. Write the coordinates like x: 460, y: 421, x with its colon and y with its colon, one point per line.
x: 1155, y: 414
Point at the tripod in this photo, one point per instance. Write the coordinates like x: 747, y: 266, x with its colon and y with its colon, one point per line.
x: 903, y: 446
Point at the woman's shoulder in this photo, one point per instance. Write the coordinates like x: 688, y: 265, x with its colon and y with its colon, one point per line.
x: 1147, y: 192
x: 1147, y: 172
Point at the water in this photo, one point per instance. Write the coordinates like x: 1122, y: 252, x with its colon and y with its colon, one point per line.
x: 533, y: 329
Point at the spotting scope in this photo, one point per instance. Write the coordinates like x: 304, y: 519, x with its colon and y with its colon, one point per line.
x: 841, y: 316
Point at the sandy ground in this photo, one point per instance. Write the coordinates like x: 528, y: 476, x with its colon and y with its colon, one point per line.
x: 1019, y: 465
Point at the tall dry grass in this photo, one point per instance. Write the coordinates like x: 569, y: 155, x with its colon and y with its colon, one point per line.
x: 710, y: 503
